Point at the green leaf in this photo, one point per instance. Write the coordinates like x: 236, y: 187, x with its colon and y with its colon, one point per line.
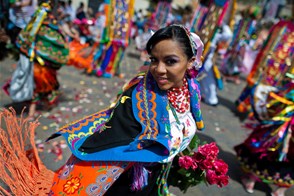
x: 194, y: 142
x: 182, y: 171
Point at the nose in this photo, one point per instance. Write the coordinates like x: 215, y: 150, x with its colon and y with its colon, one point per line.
x: 161, y: 67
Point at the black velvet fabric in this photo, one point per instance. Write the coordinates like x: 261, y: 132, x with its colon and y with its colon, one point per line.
x: 120, y: 130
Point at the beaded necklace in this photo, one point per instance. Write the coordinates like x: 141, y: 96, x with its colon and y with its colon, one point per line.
x: 179, y: 98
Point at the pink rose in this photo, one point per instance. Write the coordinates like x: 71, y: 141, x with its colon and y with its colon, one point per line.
x: 198, y: 157
x: 210, y: 151
x: 220, y: 166
x: 187, y: 162
x: 211, y: 177
x: 223, y: 180
x: 206, y: 164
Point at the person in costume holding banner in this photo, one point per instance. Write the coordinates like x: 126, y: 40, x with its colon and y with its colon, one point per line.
x: 267, y: 154
x: 209, y: 84
x: 208, y: 22
x: 128, y: 148
x: 43, y: 51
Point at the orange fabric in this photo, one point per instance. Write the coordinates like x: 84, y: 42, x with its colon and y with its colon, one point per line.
x: 81, y: 55
x: 45, y: 79
x: 21, y: 169
x: 78, y: 177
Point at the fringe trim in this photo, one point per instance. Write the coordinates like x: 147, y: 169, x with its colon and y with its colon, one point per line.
x: 21, y: 170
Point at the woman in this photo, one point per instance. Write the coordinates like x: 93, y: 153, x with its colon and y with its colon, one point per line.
x: 128, y: 149
x: 154, y: 119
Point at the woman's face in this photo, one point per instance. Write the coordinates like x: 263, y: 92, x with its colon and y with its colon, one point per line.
x: 168, y: 64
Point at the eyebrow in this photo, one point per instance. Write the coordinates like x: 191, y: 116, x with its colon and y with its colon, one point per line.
x: 166, y: 57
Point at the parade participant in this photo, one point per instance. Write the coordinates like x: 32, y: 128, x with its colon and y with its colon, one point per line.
x: 209, y: 83
x: 69, y: 30
x: 209, y: 23
x: 43, y: 51
x: 267, y: 154
x: 128, y: 138
x: 243, y: 33
x: 128, y: 148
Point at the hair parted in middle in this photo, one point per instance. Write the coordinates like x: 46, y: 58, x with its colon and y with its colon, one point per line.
x: 174, y: 32
x: 190, y: 43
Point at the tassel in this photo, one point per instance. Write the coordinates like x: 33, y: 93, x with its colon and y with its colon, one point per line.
x: 21, y: 169
x: 140, y: 177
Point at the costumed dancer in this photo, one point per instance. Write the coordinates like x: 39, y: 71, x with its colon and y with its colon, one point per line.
x: 243, y: 31
x: 43, y: 51
x: 267, y: 154
x: 128, y: 148
x: 211, y: 79
x: 212, y: 31
x: 84, y: 55
x: 272, y: 62
x: 118, y: 28
x: 250, y: 48
x: 163, y: 9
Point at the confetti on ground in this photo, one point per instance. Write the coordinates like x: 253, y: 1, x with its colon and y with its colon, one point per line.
x: 57, y: 149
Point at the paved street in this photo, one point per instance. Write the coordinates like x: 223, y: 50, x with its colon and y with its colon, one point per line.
x: 83, y: 95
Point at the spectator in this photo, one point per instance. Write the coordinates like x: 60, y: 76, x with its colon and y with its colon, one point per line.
x: 69, y: 10
x: 20, y: 13
x: 80, y: 13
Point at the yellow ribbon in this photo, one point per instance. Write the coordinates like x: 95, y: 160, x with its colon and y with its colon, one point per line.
x: 280, y: 116
x: 278, y: 98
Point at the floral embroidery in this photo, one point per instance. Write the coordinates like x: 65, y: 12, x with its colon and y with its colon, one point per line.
x: 72, y: 185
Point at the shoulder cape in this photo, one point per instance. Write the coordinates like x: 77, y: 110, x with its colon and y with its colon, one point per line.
x: 136, y: 129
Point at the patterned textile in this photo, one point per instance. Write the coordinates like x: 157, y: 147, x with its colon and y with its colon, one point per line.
x: 74, y: 178
x: 272, y: 62
x: 151, y: 116
x: 183, y: 129
x: 268, y: 152
x: 41, y: 40
x: 179, y: 98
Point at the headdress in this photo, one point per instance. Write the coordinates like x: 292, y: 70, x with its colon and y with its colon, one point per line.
x: 197, y: 48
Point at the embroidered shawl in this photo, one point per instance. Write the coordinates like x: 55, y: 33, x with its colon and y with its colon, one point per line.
x: 149, y: 106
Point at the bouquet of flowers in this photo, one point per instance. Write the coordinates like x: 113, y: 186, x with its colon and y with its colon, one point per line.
x: 194, y: 167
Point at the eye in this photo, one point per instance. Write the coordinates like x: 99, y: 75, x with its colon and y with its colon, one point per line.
x: 152, y: 60
x: 171, y: 61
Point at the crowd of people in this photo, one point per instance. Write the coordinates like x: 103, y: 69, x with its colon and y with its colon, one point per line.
x: 187, y: 56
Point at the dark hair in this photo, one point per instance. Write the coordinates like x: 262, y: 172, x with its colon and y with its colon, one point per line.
x: 172, y: 32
